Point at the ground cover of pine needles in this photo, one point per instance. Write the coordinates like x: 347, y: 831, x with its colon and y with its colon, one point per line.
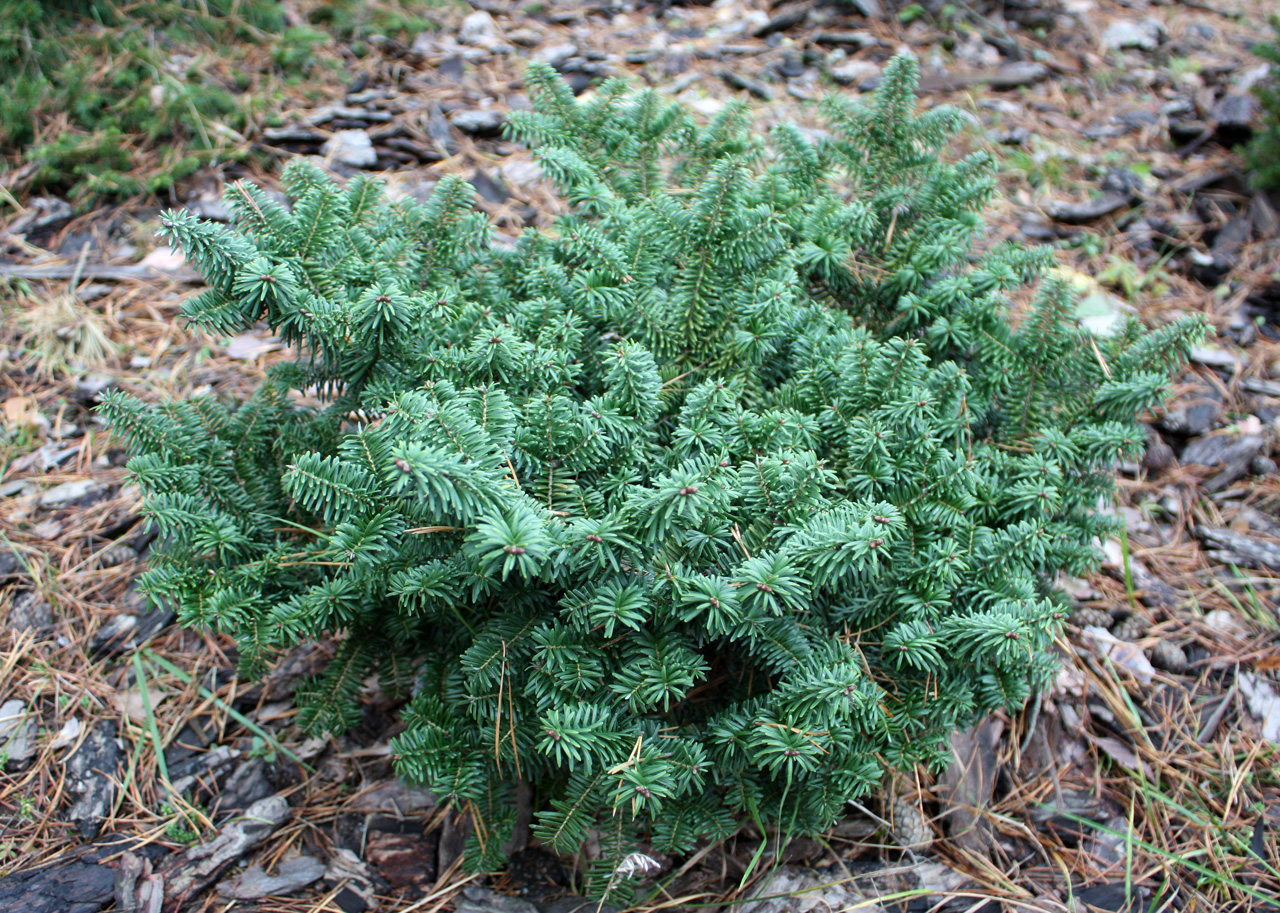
x: 1126, y: 786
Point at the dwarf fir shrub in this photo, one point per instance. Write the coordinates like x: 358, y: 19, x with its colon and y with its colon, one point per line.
x: 1263, y: 151
x: 743, y: 484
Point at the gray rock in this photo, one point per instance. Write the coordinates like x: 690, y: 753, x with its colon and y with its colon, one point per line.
x: 1018, y: 74
x: 351, y: 147
x: 480, y: 121
x: 482, y: 900
x: 847, y: 37
x: 525, y: 38
x: 782, y: 20
x: 41, y: 213
x: 291, y: 875
x: 211, y: 207
x: 746, y: 83
x: 1262, y: 465
x: 1144, y: 34
x: 855, y: 72
x: 79, y: 491
x: 869, y: 8
x: 478, y: 29
x: 1195, y: 414
x: 17, y: 731
x: 1088, y: 210
x: 1234, y: 118
x: 1213, y: 449
x: 557, y: 54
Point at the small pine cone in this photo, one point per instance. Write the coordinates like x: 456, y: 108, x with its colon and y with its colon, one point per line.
x: 1091, y: 618
x: 116, y: 554
x: 910, y: 828
x: 1132, y: 628
x: 1168, y: 656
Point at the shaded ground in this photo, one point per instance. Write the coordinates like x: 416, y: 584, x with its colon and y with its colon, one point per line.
x: 1146, y: 778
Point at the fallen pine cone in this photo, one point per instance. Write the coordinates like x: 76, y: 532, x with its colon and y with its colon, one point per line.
x: 910, y: 827
x: 1092, y: 618
x: 1132, y: 628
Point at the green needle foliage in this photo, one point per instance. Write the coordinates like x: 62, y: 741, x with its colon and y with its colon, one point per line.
x: 743, y: 484
x: 1263, y: 152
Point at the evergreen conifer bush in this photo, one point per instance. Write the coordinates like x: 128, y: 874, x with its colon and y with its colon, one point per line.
x: 1263, y: 151
x: 742, y: 485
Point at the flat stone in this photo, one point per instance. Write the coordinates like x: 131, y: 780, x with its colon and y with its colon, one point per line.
x: 42, y: 213
x: 557, y: 54
x: 351, y: 147
x: 746, y: 83
x: 482, y: 900
x: 855, y: 72
x: 1088, y: 210
x: 478, y: 29
x: 1195, y: 413
x: 1018, y: 74
x: 1144, y: 34
x: 1213, y: 449
x: 291, y: 875
x: 75, y: 492
x: 17, y: 731
x: 525, y: 37
x: 480, y: 121
x: 782, y: 20
x: 847, y: 37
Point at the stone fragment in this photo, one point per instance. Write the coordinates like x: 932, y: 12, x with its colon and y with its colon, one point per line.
x: 782, y: 20
x: 480, y: 121
x: 525, y: 37
x: 754, y: 86
x: 482, y: 900
x: 291, y: 875
x: 1090, y: 210
x: 127, y: 630
x: 478, y: 29
x: 1195, y: 413
x: 17, y: 731
x: 351, y: 147
x: 557, y: 54
x: 1234, y: 118
x: 79, y: 492
x: 1237, y: 548
x: 1018, y: 74
x: 1214, y: 449
x: 41, y: 214
x: 855, y: 72
x: 1144, y: 34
